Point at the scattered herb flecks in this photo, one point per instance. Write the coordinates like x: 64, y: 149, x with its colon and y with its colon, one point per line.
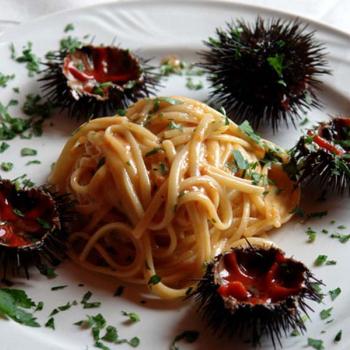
x: 28, y: 57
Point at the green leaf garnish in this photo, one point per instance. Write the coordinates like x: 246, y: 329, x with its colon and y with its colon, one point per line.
x: 12, y: 302
x: 334, y: 293
x: 28, y: 152
x: 276, y: 62
x: 315, y: 343
x: 246, y: 128
x: 133, y: 317
x: 155, y: 279
x: 50, y: 323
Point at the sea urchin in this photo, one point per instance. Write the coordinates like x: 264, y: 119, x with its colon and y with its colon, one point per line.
x: 322, y: 156
x: 264, y: 72
x: 93, y: 81
x: 33, y: 225
x: 254, y: 290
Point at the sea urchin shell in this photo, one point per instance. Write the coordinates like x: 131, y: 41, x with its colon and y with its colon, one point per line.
x: 93, y: 81
x: 264, y: 72
x: 32, y: 228
x: 255, y: 291
x: 322, y: 156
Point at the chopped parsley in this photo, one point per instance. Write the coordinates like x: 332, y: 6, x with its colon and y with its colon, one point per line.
x: 13, y: 303
x: 69, y: 27
x: 4, y: 146
x: 341, y: 227
x: 111, y: 334
x: 59, y: 287
x: 191, y: 85
x: 304, y: 121
x: 242, y: 164
x: 4, y: 79
x: 87, y: 304
x: 338, y: 337
x: 326, y: 313
x: 342, y: 238
x: 33, y: 162
x: 25, y: 152
x: 172, y: 125
x: 315, y: 343
x: 334, y: 293
x: 246, y: 128
x: 34, y: 106
x: 39, y: 306
x: 320, y: 260
x: 70, y: 44
x: 317, y: 214
x: 50, y: 323
x: 97, y: 323
x: 6, y: 166
x: 47, y: 271
x: 311, y: 235
x: 132, y: 316
x: 155, y: 279
x: 189, y: 336
x: 28, y: 57
x: 11, y: 126
x: 276, y: 62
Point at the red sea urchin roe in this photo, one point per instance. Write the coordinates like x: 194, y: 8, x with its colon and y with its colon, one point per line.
x: 15, y: 226
x: 323, y: 143
x: 101, y: 65
x: 252, y: 282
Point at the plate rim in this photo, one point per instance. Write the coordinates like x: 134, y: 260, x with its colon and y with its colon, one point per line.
x: 121, y: 3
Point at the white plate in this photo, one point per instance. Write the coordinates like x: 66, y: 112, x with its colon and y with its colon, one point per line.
x: 158, y: 28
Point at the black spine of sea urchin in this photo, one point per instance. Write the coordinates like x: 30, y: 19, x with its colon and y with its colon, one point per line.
x: 267, y: 72
x: 253, y: 322
x: 87, y: 106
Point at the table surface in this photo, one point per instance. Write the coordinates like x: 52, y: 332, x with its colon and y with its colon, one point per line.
x: 333, y: 12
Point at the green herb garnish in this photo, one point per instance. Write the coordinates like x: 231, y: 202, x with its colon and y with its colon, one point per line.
x: 59, y: 287
x: 320, y: 260
x: 12, y: 305
x: 315, y: 343
x: 4, y: 79
x: 334, y: 293
x: 69, y: 27
x: 246, y: 128
x: 155, y: 279
x: 311, y: 235
x: 28, y: 57
x: 28, y: 152
x: 242, y: 164
x: 6, y: 166
x: 326, y: 313
x: 133, y: 317
x: 50, y: 323
x: 4, y: 146
x: 191, y: 85
x: 70, y: 44
x: 276, y: 62
x: 33, y: 162
x: 338, y: 337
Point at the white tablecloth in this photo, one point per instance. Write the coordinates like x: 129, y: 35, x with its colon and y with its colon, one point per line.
x: 333, y: 12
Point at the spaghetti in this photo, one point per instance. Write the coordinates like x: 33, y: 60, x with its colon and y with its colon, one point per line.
x: 167, y: 187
